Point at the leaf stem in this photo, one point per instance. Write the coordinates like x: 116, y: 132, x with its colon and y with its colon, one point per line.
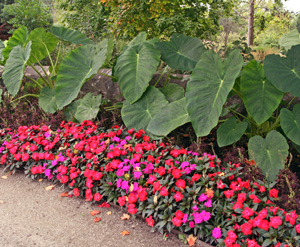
x: 167, y: 78
x: 34, y: 81
x: 110, y: 76
x: 291, y: 102
x: 26, y: 95
x: 161, y: 75
x: 34, y: 68
x: 49, y: 83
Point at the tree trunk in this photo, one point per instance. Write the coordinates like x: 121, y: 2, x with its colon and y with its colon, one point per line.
x: 251, y: 23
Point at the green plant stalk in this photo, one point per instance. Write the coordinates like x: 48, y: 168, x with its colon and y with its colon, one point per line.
x: 110, y: 76
x: 26, y: 95
x: 276, y: 124
x: 50, y: 58
x: 237, y: 92
x: 32, y: 66
x: 161, y: 75
x: 167, y: 78
x: 291, y: 102
x: 58, y: 54
x: 42, y: 67
x: 34, y: 81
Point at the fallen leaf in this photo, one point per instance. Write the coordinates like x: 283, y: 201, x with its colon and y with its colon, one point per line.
x: 155, y: 199
x: 65, y: 194
x: 125, y: 233
x: 191, y: 240
x: 97, y: 219
x: 125, y: 217
x: 108, y: 213
x: 94, y: 212
x: 40, y: 180
x: 50, y: 187
x: 1, y: 202
x: 4, y: 177
x: 131, y: 187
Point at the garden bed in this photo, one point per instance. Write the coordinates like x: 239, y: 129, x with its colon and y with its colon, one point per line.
x: 171, y: 188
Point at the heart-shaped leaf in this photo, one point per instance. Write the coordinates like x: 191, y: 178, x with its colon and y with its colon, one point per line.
x: 290, y: 39
x: 42, y: 43
x: 71, y: 111
x: 19, y: 37
x: 47, y: 100
x: 284, y: 72
x: 181, y: 52
x: 269, y: 153
x: 169, y: 118
x: 140, y: 114
x: 135, y: 68
x: 290, y: 123
x: 260, y: 97
x: 78, y: 66
x: 211, y: 81
x: 230, y: 132
x: 89, y: 107
x: 172, y: 92
x: 73, y: 36
x: 13, y: 71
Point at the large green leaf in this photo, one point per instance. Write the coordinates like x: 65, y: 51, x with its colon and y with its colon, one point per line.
x: 1, y: 91
x: 140, y: 114
x: 211, y: 81
x: 68, y: 35
x: 269, y: 153
x: 172, y: 91
x: 181, y: 52
x: 89, y: 107
x: 13, y: 71
x: 47, y: 100
x: 79, y: 65
x: 169, y: 118
x: 19, y: 37
x: 290, y: 123
x: 135, y: 68
x: 71, y: 111
x: 290, y: 39
x: 230, y: 132
x: 1, y: 50
x: 284, y: 72
x: 260, y: 97
x: 41, y: 42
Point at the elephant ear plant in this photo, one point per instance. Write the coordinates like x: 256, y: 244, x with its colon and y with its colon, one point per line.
x: 61, y: 85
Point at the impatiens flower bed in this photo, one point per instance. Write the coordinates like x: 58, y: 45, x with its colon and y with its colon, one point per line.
x: 168, y: 186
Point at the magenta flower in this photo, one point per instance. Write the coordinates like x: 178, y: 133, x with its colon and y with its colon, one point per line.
x: 202, y: 197
x: 208, y: 203
x: 216, y: 233
x: 119, y: 182
x: 185, y: 218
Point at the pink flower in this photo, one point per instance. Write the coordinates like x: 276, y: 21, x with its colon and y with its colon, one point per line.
x: 216, y: 233
x: 202, y: 197
x: 208, y: 203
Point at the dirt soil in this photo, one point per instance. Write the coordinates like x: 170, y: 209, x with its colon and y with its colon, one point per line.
x: 33, y: 216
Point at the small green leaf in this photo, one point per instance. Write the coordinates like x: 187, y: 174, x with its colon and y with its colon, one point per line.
x: 172, y: 91
x: 269, y: 153
x: 89, y: 107
x: 13, y: 71
x: 139, y: 114
x: 71, y: 111
x: 290, y: 123
x: 72, y: 36
x: 181, y: 52
x: 169, y: 118
x: 47, y: 100
x: 230, y: 132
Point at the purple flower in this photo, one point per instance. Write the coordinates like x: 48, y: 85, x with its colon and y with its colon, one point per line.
x: 126, y: 168
x: 202, y: 197
x: 47, y: 134
x: 191, y: 224
x: 120, y: 173
x: 208, y: 203
x: 125, y: 185
x: 137, y: 175
x: 116, y: 139
x: 217, y: 232
x: 198, y: 218
x: 135, y: 186
x: 119, y: 182
x: 184, y: 164
x: 54, y: 162
x: 185, y: 218
x: 195, y: 208
x: 205, y: 215
x: 128, y: 138
x: 48, y: 172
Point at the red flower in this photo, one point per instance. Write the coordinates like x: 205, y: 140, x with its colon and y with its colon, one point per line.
x: 297, y: 227
x: 122, y: 201
x: 232, y: 235
x: 76, y: 192
x: 142, y: 195
x: 228, y: 193
x: 150, y: 221
x: 64, y: 179
x: 132, y: 209
x: 151, y: 179
x: 178, y: 196
x: 137, y: 157
x: 161, y: 171
x: 164, y: 191
x: 177, y: 222
x: 180, y: 183
x: 247, y: 213
x: 275, y: 222
x: 176, y: 173
x: 179, y: 214
x: 273, y: 193
x: 246, y: 228
x: 196, y: 177
x: 156, y: 186
x: 132, y: 198
x: 97, y: 197
x: 264, y: 224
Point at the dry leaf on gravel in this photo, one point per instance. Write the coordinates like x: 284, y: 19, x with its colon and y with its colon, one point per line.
x: 108, y: 213
x: 125, y: 217
x: 125, y: 233
x: 50, y: 187
x: 97, y: 219
x: 64, y: 194
x: 40, y: 180
x: 1, y: 202
x: 4, y: 177
x: 94, y: 212
x: 191, y: 240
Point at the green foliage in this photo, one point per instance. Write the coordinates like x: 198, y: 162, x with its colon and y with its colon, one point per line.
x: 3, y: 3
x: 29, y: 13
x: 269, y: 153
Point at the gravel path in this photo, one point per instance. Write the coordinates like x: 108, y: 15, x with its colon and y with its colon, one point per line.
x: 32, y: 216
